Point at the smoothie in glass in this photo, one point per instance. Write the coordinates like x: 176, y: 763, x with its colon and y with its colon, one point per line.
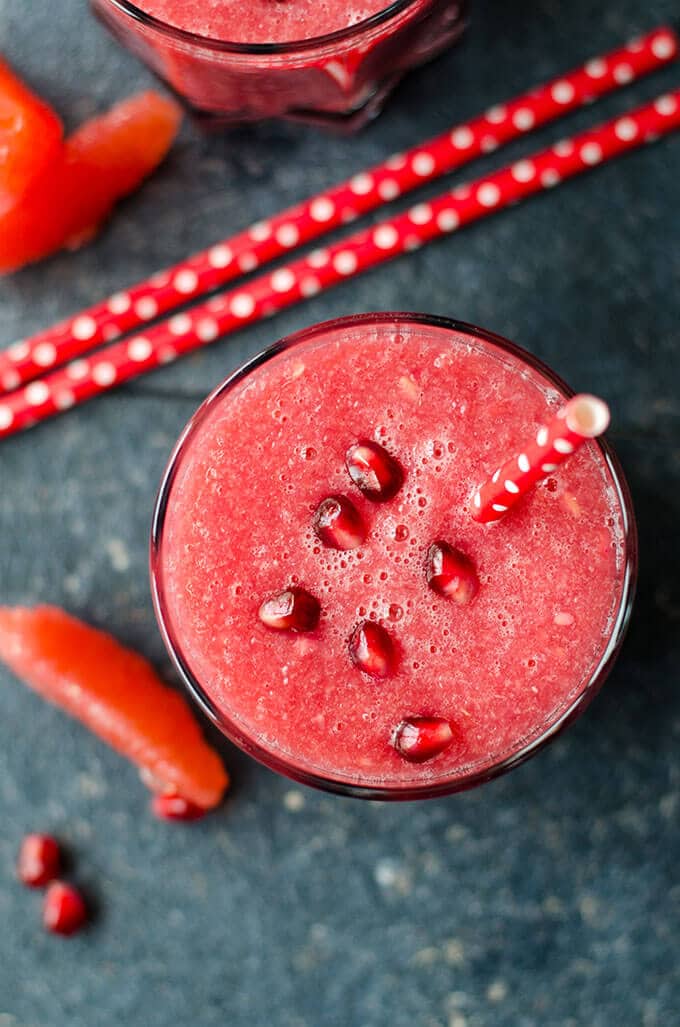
x: 303, y: 537
x: 330, y: 62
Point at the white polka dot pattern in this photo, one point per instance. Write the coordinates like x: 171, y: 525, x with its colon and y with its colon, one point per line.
x: 125, y: 311
x: 37, y: 393
x: 242, y: 305
x: 488, y: 144
x: 11, y: 379
x: 310, y: 286
x: 18, y: 351
x: 318, y: 258
x: 420, y: 214
x: 63, y: 399
x: 462, y: 138
x: 562, y: 92
x: 104, y: 373
x: 523, y: 171
x: 345, y: 262
x: 186, y: 282
x: 283, y: 280
x: 524, y: 119
x: 146, y: 308
x: 247, y: 262
x: 322, y: 209
x: 119, y: 303
x: 597, y: 68
x: 388, y: 189
x: 77, y: 370
x: 260, y: 231
x: 423, y: 164
x: 623, y: 74
x: 488, y: 194
x: 447, y: 220
x: 207, y: 329
x: 180, y: 324
x: 220, y: 256
x: 385, y: 237
x: 45, y: 354
x: 139, y: 349
x: 591, y: 153
x: 550, y: 178
x: 626, y: 129
x: 496, y: 115
x: 84, y: 327
x: 554, y: 443
x: 287, y: 235
x: 666, y: 105
x: 361, y: 185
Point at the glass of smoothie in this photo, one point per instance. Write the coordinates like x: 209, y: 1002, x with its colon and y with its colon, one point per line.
x: 325, y: 591
x: 331, y: 63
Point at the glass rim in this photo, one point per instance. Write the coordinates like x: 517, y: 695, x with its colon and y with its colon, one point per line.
x: 446, y: 785
x: 286, y: 47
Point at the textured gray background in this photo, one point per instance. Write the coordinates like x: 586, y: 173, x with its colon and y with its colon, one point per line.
x: 548, y: 898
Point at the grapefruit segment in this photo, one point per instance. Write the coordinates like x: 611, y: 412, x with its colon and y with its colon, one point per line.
x: 117, y: 694
x: 30, y: 137
x: 103, y: 160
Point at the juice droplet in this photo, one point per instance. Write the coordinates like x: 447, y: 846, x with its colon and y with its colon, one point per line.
x: 401, y: 533
x: 395, y: 612
x: 308, y: 453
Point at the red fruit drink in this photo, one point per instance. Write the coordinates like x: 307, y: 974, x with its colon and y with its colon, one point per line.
x: 429, y: 652
x: 332, y: 62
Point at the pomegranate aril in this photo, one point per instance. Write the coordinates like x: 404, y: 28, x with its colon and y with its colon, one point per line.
x: 338, y: 524
x: 38, y: 861
x: 419, y: 739
x: 292, y: 610
x: 374, y: 471
x: 451, y: 573
x: 371, y: 649
x: 175, y: 807
x: 64, y: 909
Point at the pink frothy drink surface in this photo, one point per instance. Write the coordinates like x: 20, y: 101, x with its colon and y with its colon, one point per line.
x: 262, y: 21
x: 239, y: 528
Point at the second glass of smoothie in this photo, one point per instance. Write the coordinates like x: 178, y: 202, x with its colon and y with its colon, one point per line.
x: 329, y: 63
x: 300, y: 550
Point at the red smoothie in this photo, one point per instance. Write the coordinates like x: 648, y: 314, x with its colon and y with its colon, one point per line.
x: 497, y: 665
x: 328, y: 62
x: 261, y: 21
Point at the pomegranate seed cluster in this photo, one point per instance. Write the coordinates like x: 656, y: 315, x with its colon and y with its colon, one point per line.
x: 371, y: 649
x: 39, y: 865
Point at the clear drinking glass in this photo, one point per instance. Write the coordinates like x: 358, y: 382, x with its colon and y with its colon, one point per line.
x: 578, y: 695
x: 341, y: 79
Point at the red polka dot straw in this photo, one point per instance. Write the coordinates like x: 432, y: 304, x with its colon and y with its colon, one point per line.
x: 323, y: 268
x: 583, y: 417
x: 265, y: 241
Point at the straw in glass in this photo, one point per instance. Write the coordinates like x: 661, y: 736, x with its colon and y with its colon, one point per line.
x: 584, y: 417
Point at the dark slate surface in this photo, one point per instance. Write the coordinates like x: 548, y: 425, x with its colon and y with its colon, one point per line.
x: 548, y: 898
